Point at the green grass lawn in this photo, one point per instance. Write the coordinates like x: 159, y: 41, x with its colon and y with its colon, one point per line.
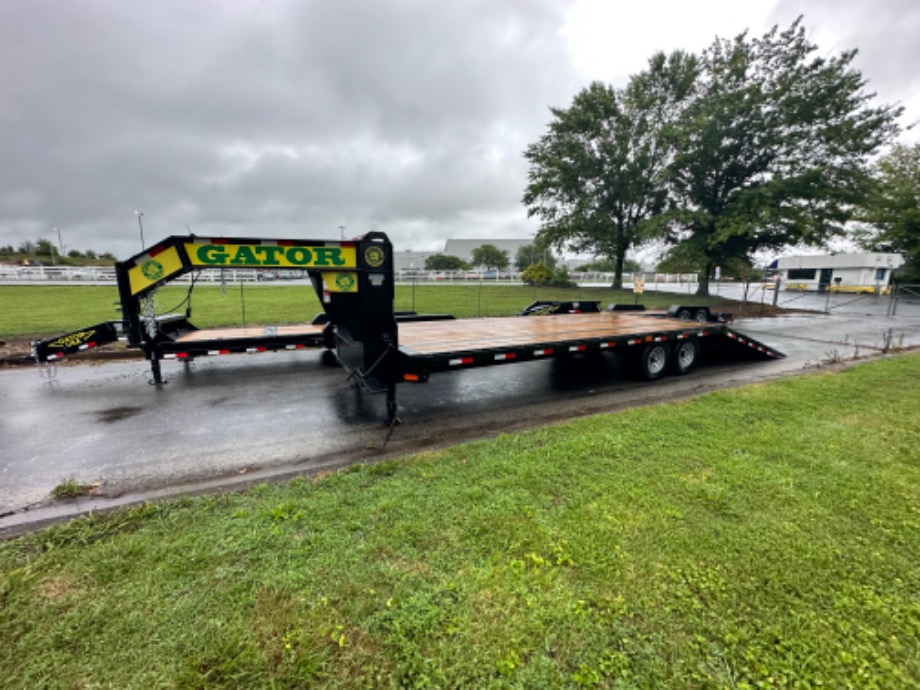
x: 764, y: 537
x: 31, y: 311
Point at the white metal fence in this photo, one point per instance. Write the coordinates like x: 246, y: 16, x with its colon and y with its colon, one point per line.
x: 106, y: 274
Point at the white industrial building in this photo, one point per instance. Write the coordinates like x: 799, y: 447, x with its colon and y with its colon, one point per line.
x: 869, y: 272
x: 407, y: 260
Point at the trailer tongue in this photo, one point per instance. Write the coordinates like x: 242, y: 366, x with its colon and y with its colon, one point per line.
x: 378, y: 347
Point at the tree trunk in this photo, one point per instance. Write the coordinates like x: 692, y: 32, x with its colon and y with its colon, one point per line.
x: 702, y: 289
x: 618, y: 270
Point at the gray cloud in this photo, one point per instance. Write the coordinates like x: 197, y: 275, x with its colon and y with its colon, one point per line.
x: 293, y: 117
x: 884, y: 33
x: 271, y: 118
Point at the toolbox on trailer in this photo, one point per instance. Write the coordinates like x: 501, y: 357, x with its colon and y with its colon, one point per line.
x: 377, y: 346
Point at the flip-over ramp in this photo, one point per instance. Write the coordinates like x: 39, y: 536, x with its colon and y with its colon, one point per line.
x: 743, y: 343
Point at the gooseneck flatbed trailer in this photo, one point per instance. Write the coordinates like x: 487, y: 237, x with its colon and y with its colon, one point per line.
x: 378, y: 347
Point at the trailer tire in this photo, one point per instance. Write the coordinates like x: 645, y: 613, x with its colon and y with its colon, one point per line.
x: 653, y: 362
x: 685, y: 315
x: 328, y: 358
x: 702, y: 315
x: 685, y: 356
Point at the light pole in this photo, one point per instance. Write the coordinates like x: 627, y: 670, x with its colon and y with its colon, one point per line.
x: 342, y: 230
x: 60, y: 242
x: 140, y: 224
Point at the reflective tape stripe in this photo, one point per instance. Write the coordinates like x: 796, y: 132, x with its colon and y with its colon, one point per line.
x: 460, y: 361
x: 578, y: 348
x: 542, y: 353
x: 506, y: 355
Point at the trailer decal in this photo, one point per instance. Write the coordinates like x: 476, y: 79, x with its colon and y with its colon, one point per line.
x: 341, y: 282
x: 374, y: 256
x: 154, y: 266
x: 73, y: 339
x: 270, y: 255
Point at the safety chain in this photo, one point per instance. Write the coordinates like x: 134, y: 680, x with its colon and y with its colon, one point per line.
x: 150, y: 316
x: 47, y: 371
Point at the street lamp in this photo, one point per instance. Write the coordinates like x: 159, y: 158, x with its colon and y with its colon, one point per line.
x: 60, y: 242
x: 140, y: 224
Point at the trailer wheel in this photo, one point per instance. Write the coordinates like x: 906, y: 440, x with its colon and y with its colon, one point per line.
x: 328, y: 359
x: 702, y: 315
x: 686, y: 353
x: 653, y: 362
x: 685, y: 315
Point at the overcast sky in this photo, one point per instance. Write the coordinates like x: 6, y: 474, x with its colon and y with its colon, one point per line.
x: 292, y: 118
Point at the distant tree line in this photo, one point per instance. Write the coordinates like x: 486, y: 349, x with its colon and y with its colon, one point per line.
x: 754, y: 144
x: 45, y: 250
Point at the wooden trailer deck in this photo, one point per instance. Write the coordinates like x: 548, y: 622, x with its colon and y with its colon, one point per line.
x: 250, y: 333
x: 467, y: 335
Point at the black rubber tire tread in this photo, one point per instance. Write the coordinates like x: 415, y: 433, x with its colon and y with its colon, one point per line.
x: 650, y: 365
x: 681, y: 361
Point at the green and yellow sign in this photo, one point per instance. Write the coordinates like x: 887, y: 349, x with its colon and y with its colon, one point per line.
x: 341, y: 282
x: 156, y: 266
x: 270, y: 256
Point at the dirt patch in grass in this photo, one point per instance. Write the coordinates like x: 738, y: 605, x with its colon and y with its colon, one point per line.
x: 17, y: 352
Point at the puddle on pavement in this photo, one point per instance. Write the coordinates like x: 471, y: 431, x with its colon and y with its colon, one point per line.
x: 116, y: 414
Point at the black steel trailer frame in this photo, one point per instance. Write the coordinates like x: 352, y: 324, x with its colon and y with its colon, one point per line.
x: 378, y: 347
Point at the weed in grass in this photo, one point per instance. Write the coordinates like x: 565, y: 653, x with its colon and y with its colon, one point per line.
x: 832, y: 357
x: 71, y: 488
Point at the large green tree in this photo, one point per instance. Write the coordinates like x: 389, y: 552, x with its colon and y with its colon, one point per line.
x: 893, y: 210
x: 445, y: 262
x: 595, y: 177
x: 771, y: 149
x: 490, y: 256
x: 536, y: 253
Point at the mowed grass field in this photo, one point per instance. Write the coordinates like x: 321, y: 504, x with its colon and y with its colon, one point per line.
x: 31, y: 311
x: 762, y: 537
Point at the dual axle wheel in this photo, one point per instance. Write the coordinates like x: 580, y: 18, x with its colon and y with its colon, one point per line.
x: 657, y: 358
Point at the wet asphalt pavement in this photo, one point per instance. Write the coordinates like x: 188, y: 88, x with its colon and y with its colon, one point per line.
x: 230, y: 421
